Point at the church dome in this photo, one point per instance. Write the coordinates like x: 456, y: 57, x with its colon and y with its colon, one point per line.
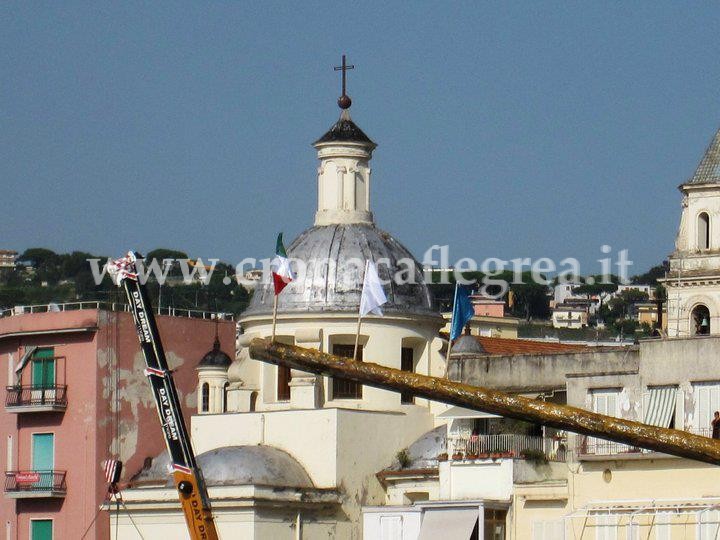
x: 467, y: 345
x: 215, y: 357
x: 236, y: 466
x: 337, y: 286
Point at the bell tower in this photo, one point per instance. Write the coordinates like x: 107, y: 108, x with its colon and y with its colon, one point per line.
x: 344, y: 172
x: 693, y: 282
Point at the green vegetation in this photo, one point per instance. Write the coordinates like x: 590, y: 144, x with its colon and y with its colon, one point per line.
x: 43, y: 276
x: 403, y: 458
x: 530, y: 299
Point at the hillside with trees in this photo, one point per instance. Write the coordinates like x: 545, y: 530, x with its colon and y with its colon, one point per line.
x: 42, y: 276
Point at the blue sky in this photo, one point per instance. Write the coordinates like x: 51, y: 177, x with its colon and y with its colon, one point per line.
x: 504, y: 129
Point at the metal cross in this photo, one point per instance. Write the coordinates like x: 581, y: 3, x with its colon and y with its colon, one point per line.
x: 344, y: 69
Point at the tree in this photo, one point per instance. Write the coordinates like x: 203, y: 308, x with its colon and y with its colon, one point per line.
x: 651, y: 276
x: 37, y: 257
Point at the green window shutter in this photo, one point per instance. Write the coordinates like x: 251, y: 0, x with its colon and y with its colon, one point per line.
x: 43, y: 451
x: 41, y: 529
x: 43, y: 368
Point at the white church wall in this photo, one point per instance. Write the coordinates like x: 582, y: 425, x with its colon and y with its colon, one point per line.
x: 333, y: 445
x: 309, y: 436
x: 382, y: 340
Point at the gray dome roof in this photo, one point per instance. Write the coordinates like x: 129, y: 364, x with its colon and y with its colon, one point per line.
x: 215, y: 357
x: 424, y: 451
x: 467, y: 345
x: 238, y: 465
x: 345, y: 130
x: 327, y: 289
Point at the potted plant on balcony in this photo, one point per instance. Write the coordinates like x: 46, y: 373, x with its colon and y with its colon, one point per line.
x: 471, y: 455
x: 536, y: 457
x: 457, y: 456
x: 483, y: 455
x: 442, y: 457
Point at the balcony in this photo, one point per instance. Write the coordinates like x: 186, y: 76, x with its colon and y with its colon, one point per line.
x: 24, y: 399
x: 508, y: 445
x: 35, y: 484
x: 592, y: 449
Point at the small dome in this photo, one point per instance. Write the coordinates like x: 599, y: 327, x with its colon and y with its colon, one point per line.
x: 467, y: 345
x: 424, y: 451
x: 345, y: 130
x: 237, y: 466
x: 337, y: 287
x: 215, y: 358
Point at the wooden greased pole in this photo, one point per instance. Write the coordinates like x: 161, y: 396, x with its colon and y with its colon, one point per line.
x: 668, y: 441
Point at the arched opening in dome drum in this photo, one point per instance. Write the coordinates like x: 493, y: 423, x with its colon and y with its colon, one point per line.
x: 205, y: 398
x: 700, y: 320
x: 343, y: 388
x: 703, y: 231
x: 283, y: 383
x: 225, y: 396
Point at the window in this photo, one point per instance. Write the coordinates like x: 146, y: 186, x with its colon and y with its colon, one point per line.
x: 708, y: 526
x: 604, y: 401
x: 633, y: 530
x: 43, y: 368
x: 342, y: 388
x: 41, y: 529
x: 407, y: 363
x: 548, y: 530
x: 707, y: 401
x: 43, y: 451
x: 605, y: 527
x: 662, y: 526
x: 494, y: 524
x: 205, y: 398
x: 703, y: 231
x: 283, y: 383
x: 225, y: 396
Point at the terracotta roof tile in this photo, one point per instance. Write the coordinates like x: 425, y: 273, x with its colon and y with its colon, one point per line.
x: 505, y: 346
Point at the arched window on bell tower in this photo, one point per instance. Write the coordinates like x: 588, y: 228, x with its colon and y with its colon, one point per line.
x: 205, y: 398
x: 700, y: 320
x: 703, y: 231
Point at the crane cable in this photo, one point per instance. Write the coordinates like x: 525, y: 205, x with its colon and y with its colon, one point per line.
x: 113, y: 492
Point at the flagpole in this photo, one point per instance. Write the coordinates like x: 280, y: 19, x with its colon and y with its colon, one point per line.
x: 452, y: 317
x: 274, y: 320
x: 357, y: 332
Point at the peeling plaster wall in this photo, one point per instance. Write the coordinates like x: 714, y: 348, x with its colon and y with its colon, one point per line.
x: 91, y: 344
x: 680, y: 362
x: 185, y: 341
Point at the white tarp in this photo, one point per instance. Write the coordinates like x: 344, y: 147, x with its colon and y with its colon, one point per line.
x: 461, y: 412
x: 448, y: 524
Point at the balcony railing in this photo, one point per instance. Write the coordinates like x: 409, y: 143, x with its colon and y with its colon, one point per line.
x: 111, y: 306
x: 473, y: 446
x: 36, y: 398
x: 29, y: 484
x: 590, y: 446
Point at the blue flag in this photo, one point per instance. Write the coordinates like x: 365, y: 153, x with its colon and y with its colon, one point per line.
x: 462, y: 311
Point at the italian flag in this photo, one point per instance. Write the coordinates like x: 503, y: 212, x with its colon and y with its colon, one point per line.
x: 281, y: 272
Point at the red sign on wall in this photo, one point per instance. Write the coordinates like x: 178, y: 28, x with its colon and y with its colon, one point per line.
x: 27, y: 477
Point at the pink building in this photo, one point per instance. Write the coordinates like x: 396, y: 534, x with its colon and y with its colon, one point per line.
x: 80, y: 398
x: 487, y: 307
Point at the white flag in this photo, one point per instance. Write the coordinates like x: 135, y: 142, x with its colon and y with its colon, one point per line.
x: 373, y: 295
